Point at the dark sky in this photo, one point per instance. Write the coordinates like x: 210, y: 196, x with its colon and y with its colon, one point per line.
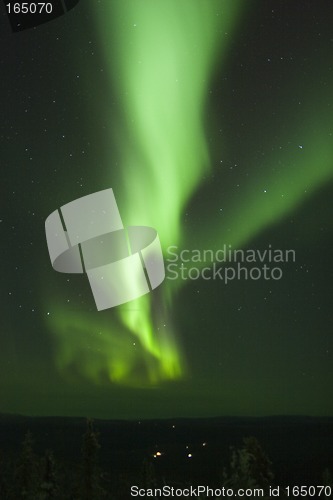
x: 71, y: 118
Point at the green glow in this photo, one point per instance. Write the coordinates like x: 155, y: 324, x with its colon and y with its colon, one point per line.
x: 91, y: 347
x: 302, y: 167
x: 160, y: 60
x: 160, y: 56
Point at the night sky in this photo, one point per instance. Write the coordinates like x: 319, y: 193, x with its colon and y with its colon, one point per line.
x: 212, y: 122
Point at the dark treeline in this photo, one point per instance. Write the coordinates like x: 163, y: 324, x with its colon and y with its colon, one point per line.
x: 43, y: 476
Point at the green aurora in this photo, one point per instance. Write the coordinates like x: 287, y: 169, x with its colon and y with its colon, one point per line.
x: 160, y: 84
x: 162, y: 88
x: 212, y: 122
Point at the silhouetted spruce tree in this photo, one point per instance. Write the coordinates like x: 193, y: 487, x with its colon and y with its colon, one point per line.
x: 327, y: 477
x: 249, y: 467
x: 3, y: 488
x: 26, y: 474
x: 148, y: 476
x: 90, y: 479
x: 48, y: 486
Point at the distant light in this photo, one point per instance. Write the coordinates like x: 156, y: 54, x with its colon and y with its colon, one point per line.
x: 204, y: 444
x: 189, y: 455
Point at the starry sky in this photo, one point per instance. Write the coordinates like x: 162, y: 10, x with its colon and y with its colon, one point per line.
x: 213, y: 124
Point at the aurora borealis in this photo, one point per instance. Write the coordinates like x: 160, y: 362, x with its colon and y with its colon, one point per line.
x: 169, y: 157
x: 212, y: 122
